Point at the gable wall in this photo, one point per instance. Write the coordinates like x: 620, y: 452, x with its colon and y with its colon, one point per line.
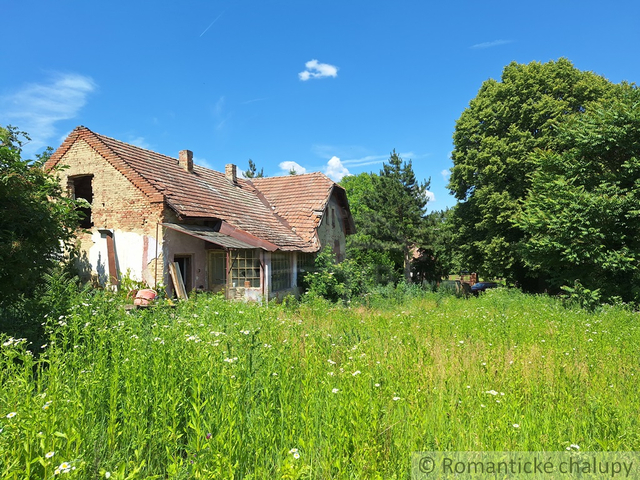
x: 330, y: 234
x: 120, y: 207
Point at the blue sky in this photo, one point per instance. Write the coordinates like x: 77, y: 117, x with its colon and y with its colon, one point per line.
x: 333, y: 86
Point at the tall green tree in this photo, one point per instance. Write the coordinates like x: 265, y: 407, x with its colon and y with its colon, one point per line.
x: 396, y: 210
x: 252, y: 171
x: 493, y: 142
x: 438, y: 256
x: 380, y: 266
x: 36, y: 218
x: 582, y: 215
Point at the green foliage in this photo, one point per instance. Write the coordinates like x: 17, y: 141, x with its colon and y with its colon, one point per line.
x: 128, y: 284
x: 582, y: 217
x: 252, y: 172
x: 493, y: 141
x: 379, y: 265
x: 214, y: 389
x: 389, y: 210
x: 336, y: 282
x: 36, y: 218
x: 438, y: 252
x: 581, y: 296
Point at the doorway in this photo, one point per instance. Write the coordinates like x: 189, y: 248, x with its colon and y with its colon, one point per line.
x: 184, y: 262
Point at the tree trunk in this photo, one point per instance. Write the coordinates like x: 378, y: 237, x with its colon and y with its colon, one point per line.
x: 407, y: 263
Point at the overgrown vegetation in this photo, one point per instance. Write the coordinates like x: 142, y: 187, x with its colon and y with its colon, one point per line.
x: 213, y: 389
x: 528, y: 156
x: 36, y: 219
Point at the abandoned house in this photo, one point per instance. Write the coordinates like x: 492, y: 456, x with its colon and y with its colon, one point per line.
x: 251, y: 239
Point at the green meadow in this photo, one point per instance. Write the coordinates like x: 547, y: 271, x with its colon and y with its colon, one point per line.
x: 212, y: 389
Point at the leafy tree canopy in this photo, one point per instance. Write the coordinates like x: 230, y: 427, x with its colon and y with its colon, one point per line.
x: 582, y: 216
x: 493, y: 142
x: 35, y: 218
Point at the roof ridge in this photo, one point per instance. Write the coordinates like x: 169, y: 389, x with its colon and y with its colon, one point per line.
x: 318, y: 173
x: 94, y: 140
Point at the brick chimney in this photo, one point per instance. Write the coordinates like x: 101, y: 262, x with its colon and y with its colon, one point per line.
x: 185, y: 160
x: 230, y: 172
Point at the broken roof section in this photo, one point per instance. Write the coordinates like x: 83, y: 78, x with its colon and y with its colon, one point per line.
x: 281, y: 212
x: 301, y: 199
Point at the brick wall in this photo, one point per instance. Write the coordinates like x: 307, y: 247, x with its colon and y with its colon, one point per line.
x: 117, y: 206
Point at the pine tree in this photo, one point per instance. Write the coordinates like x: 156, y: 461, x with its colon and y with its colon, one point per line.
x: 397, y: 203
x: 252, y: 172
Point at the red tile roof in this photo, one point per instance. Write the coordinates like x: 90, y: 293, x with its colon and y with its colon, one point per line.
x: 298, y: 199
x: 281, y: 210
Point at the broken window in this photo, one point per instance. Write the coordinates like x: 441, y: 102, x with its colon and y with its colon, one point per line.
x: 217, y: 270
x: 81, y: 188
x: 245, y: 268
x: 280, y: 271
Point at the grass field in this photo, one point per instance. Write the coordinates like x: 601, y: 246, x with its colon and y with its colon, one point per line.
x: 213, y: 389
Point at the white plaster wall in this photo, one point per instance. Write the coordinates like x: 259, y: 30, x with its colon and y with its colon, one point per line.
x: 176, y: 243
x: 133, y: 252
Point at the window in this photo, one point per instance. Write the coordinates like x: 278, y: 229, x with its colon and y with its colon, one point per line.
x: 306, y: 263
x: 280, y: 271
x: 217, y: 270
x: 81, y: 188
x: 245, y: 268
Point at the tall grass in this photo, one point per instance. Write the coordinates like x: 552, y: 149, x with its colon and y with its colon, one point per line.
x: 213, y: 389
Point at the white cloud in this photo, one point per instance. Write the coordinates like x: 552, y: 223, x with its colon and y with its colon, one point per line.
x: 494, y: 43
x: 140, y: 142
x: 335, y: 170
x: 288, y: 165
x: 430, y: 196
x: 446, y: 173
x: 203, y: 162
x: 36, y: 107
x: 314, y: 69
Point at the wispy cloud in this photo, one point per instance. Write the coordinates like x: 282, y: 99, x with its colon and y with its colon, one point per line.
x: 37, y: 107
x: 211, y: 24
x: 203, y: 162
x: 366, y: 160
x: 247, y: 102
x: 494, y: 43
x: 220, y: 114
x: 446, y: 173
x: 314, y: 69
x: 140, y: 142
x: 335, y: 169
x: 287, y: 166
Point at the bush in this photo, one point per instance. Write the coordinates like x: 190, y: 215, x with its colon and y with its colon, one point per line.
x: 336, y: 282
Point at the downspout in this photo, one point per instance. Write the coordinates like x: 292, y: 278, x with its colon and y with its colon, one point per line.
x: 155, y: 273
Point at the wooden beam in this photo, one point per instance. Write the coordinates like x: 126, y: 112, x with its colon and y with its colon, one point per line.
x: 178, y: 283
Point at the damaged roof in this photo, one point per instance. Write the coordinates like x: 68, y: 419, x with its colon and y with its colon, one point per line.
x: 301, y: 199
x: 284, y: 211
